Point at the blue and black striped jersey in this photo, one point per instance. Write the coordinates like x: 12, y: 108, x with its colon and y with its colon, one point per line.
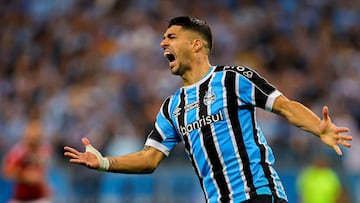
x: 216, y: 120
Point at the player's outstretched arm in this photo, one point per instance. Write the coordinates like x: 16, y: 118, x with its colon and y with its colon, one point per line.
x: 302, y: 117
x: 144, y: 161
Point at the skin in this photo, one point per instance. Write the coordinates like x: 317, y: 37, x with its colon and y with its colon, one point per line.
x: 192, y: 61
x: 191, y: 64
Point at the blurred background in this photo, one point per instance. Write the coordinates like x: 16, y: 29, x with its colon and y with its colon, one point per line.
x: 95, y: 68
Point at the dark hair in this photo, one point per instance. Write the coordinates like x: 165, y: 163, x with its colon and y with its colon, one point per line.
x: 195, y: 25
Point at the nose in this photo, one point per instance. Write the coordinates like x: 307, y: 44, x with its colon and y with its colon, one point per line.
x: 164, y: 43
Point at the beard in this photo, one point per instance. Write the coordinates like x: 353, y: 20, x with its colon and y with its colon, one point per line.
x: 180, y: 69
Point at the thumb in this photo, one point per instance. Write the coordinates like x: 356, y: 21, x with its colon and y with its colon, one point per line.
x: 85, y: 141
x: 103, y: 162
x: 325, y: 112
x: 89, y: 147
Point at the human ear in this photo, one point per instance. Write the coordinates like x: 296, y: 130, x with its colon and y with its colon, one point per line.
x: 197, y: 45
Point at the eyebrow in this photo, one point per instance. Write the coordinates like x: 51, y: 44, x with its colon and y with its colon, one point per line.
x: 169, y: 35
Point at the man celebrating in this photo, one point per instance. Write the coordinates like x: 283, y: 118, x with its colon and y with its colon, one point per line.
x: 214, y: 115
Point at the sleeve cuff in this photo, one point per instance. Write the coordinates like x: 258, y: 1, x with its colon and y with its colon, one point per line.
x: 157, y: 145
x: 271, y: 99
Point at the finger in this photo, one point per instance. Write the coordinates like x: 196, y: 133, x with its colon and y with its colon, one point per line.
x: 85, y: 141
x: 341, y: 129
x: 344, y: 143
x: 345, y: 137
x: 77, y: 161
x: 325, y: 112
x: 71, y: 155
x: 70, y: 149
x: 82, y: 162
x: 337, y: 150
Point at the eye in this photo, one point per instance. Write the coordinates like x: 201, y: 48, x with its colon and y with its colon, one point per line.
x: 171, y: 36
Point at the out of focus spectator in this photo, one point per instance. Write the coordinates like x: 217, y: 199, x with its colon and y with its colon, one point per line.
x: 318, y: 183
x: 26, y: 164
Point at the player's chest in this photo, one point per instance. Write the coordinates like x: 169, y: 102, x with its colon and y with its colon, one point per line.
x: 193, y: 105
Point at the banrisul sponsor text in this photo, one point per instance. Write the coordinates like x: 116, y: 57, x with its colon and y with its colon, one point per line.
x: 204, y: 120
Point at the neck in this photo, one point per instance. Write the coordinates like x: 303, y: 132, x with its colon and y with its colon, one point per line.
x: 196, y: 72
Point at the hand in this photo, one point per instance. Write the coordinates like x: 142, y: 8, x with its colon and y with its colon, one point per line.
x: 331, y: 134
x: 86, y: 158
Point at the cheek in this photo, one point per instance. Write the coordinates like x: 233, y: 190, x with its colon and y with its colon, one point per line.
x: 184, y: 53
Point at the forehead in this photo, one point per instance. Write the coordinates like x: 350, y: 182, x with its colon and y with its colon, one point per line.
x: 175, y: 29
x: 180, y: 31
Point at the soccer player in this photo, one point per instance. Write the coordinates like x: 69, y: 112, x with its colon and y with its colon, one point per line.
x: 26, y: 165
x: 214, y: 115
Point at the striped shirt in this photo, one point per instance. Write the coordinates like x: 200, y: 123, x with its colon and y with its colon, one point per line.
x: 216, y: 120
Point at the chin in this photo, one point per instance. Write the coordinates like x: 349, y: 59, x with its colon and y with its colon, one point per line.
x: 174, y: 70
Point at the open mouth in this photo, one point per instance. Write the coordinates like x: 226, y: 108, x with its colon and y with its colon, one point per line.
x: 170, y: 57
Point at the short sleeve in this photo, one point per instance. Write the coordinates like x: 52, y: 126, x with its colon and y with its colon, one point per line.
x: 256, y: 91
x: 163, y: 136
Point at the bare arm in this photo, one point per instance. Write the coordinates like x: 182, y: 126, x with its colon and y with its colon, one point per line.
x: 144, y: 161
x: 302, y: 117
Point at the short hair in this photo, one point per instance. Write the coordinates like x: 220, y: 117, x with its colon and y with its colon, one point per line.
x: 196, y: 25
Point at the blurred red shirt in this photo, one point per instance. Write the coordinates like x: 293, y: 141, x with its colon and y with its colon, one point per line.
x: 27, y: 167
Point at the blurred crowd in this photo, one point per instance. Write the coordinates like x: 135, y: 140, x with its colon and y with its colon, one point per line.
x: 95, y: 68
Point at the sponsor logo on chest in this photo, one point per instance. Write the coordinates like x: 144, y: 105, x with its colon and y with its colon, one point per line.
x: 208, y: 99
